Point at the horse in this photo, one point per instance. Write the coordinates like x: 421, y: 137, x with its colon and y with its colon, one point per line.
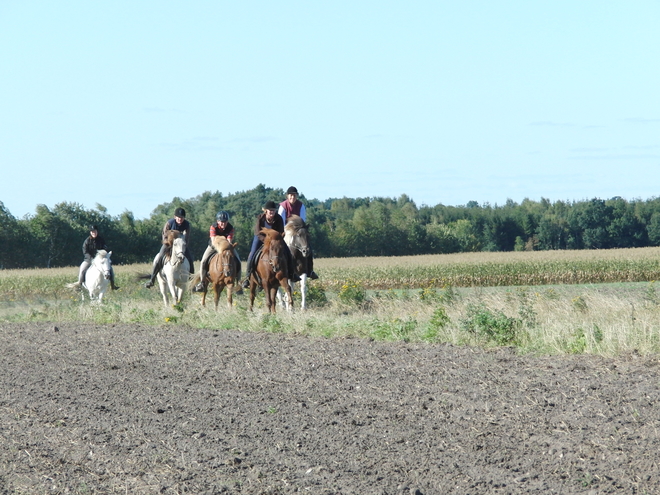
x: 296, y: 237
x: 173, y: 278
x: 97, y: 276
x: 271, y: 270
x: 224, y: 270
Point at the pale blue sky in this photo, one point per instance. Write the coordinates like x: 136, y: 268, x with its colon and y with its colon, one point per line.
x: 129, y: 104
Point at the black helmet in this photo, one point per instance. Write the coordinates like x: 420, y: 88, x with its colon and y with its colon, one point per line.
x: 292, y: 190
x: 269, y: 205
x: 180, y: 212
x: 93, y: 227
x: 222, y: 216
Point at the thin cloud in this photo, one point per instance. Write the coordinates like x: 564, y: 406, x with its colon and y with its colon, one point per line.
x: 615, y: 157
x: 161, y: 110
x: 548, y: 123
x: 588, y: 150
x: 641, y: 120
x: 253, y: 139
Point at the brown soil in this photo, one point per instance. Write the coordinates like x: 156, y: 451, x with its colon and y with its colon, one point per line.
x: 136, y: 409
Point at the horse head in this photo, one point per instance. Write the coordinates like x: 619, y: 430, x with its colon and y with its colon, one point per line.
x: 102, y: 262
x: 178, y: 251
x: 225, y: 250
x: 297, y: 236
x: 272, y: 251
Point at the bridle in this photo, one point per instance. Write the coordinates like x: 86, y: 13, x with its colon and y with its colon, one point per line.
x: 102, y: 267
x: 295, y: 244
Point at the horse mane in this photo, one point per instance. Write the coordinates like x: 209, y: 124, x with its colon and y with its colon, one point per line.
x: 102, y: 253
x: 294, y: 224
x: 270, y: 235
x: 171, y: 235
x: 220, y: 243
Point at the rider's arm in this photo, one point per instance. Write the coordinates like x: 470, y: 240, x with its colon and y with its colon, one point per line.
x: 282, y: 212
x: 303, y: 213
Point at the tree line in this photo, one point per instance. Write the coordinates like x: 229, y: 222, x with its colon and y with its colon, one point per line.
x: 339, y: 227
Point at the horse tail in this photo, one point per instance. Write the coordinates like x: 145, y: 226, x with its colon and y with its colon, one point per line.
x: 193, y: 281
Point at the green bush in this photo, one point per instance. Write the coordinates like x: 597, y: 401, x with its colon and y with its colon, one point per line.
x: 352, y: 293
x: 316, y: 295
x: 493, y: 325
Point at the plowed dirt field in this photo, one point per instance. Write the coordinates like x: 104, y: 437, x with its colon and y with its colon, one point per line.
x: 138, y: 410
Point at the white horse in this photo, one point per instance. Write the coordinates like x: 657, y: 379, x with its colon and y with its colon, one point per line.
x: 97, y: 276
x: 173, y: 278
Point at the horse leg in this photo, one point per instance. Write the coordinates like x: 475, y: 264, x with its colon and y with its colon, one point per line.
x: 217, y: 289
x: 303, y: 291
x: 163, y: 289
x: 272, y: 298
x: 253, y: 292
x: 230, y: 294
x: 280, y: 298
x: 290, y: 295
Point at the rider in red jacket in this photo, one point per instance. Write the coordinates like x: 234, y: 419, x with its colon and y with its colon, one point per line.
x: 293, y: 206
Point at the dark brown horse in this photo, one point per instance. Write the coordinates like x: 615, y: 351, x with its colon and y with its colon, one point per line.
x: 272, y: 268
x: 224, y: 270
x: 296, y: 237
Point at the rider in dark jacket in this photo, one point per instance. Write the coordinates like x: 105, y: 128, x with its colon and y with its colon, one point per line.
x: 92, y: 244
x: 179, y: 223
x: 269, y: 219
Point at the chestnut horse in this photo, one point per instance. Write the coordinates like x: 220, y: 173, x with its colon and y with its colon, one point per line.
x: 224, y: 270
x: 272, y: 269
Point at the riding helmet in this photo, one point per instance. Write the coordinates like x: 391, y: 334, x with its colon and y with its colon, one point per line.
x: 292, y: 190
x: 269, y: 205
x: 93, y: 227
x: 222, y: 216
x: 180, y: 212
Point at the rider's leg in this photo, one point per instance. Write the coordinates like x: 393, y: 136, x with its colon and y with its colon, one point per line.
x: 112, y: 279
x: 238, y: 259
x: 203, y: 268
x: 188, y: 255
x: 81, y: 273
x: 255, y: 245
x: 157, y: 266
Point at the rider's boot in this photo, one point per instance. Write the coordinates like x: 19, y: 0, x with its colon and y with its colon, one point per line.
x: 152, y: 279
x: 313, y: 275
x: 200, y: 286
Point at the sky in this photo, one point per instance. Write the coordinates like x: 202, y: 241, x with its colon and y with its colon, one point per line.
x: 130, y: 104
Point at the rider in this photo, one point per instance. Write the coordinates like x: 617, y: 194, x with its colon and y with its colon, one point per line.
x: 92, y: 244
x: 179, y: 223
x: 220, y: 227
x: 269, y: 219
x: 293, y: 206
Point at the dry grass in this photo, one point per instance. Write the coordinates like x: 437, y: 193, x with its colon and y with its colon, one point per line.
x: 607, y: 319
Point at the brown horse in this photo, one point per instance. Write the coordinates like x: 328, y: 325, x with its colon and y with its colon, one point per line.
x: 272, y: 268
x: 224, y: 270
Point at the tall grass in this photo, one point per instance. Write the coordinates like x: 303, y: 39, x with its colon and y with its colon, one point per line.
x: 349, y: 301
